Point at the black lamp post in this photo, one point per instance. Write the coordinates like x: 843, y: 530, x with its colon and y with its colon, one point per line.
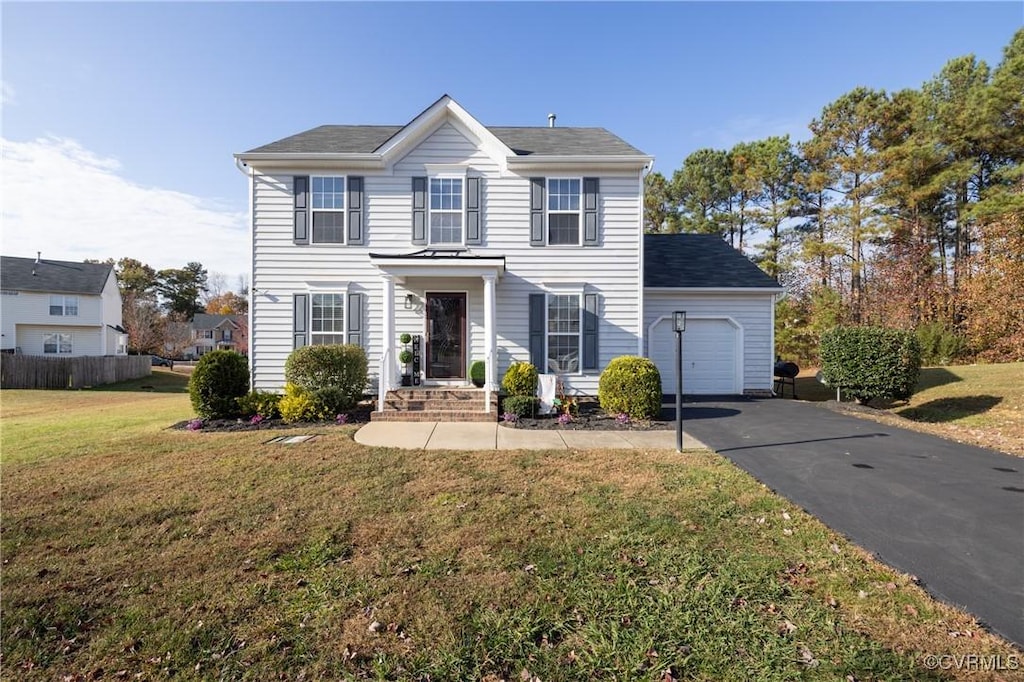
x: 679, y: 326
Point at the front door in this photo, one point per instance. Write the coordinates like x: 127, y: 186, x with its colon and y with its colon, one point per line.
x: 446, y: 336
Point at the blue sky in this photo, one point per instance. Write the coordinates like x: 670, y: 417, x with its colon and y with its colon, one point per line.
x: 119, y: 120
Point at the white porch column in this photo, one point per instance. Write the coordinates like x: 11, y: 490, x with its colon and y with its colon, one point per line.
x: 385, y: 371
x: 490, y: 341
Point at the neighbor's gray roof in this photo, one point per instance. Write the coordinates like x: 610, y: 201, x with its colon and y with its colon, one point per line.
x: 699, y: 260
x: 524, y: 141
x: 66, y: 277
x: 208, y: 321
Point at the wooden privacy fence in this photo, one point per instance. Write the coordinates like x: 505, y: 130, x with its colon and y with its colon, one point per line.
x: 32, y: 371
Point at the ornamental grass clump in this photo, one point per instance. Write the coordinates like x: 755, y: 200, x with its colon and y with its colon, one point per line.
x: 630, y: 385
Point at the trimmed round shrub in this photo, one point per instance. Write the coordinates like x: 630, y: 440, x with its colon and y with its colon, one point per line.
x: 259, y: 402
x: 478, y: 373
x: 300, y: 405
x: 405, y: 357
x: 405, y: 338
x: 340, y: 367
x: 871, y: 362
x: 520, y: 405
x: 218, y: 380
x: 520, y: 379
x: 630, y: 385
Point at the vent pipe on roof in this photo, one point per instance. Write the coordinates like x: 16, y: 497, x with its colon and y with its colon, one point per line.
x: 551, y: 120
x: 39, y: 256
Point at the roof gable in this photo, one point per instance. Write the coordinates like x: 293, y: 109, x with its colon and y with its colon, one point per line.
x: 211, y: 321
x: 699, y: 261
x: 57, y: 276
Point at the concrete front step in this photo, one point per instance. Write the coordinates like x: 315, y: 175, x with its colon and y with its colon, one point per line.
x: 438, y: 404
x: 434, y: 416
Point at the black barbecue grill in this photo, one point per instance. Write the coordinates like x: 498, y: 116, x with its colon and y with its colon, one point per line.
x: 785, y: 375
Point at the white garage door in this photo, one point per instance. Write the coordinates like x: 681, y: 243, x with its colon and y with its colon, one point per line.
x: 709, y: 357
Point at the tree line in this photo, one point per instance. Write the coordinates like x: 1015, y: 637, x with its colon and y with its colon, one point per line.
x: 902, y: 209
x: 157, y: 305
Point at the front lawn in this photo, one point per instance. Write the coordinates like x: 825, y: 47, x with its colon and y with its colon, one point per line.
x: 131, y: 549
x: 978, y: 404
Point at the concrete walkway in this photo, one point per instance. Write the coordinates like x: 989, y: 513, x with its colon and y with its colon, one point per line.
x: 486, y: 436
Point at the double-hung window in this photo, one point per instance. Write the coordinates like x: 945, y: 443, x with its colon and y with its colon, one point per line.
x: 328, y: 199
x: 66, y: 306
x: 328, y: 319
x: 563, y: 211
x: 58, y: 343
x: 563, y: 333
x: 446, y: 210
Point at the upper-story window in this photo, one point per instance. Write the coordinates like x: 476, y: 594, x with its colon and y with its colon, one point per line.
x: 64, y: 305
x: 563, y: 211
x: 328, y: 197
x: 205, y: 333
x: 225, y: 335
x: 328, y: 319
x: 446, y: 210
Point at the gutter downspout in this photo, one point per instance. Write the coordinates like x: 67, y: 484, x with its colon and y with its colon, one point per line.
x: 640, y: 337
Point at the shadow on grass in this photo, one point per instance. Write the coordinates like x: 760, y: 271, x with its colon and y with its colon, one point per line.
x: 161, y: 381
x: 950, y: 409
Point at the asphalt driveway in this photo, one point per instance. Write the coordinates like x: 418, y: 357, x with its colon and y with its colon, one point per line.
x: 951, y: 514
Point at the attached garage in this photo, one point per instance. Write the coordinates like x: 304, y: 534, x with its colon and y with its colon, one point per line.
x: 728, y: 346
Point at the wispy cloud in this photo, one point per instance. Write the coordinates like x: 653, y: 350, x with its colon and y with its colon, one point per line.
x: 7, y: 94
x: 750, y: 128
x: 72, y: 204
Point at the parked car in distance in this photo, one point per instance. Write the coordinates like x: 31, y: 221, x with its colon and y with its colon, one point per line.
x: 162, y: 362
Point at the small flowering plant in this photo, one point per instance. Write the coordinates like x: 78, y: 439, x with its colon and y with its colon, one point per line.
x: 623, y: 419
x: 194, y: 424
x: 564, y: 418
x: 510, y: 417
x: 341, y: 419
x: 257, y: 419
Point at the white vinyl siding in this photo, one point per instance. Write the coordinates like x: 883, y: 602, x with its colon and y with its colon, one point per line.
x: 85, y: 340
x: 749, y: 313
x: 282, y: 269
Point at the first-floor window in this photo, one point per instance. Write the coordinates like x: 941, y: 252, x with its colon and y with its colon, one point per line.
x: 563, y: 333
x: 57, y: 344
x: 328, y: 319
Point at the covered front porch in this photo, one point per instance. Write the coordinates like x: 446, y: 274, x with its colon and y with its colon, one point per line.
x: 445, y: 301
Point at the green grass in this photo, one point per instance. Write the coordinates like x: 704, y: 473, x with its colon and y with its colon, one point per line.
x: 980, y: 404
x: 178, y: 554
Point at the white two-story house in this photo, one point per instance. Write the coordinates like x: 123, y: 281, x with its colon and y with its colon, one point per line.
x: 485, y: 243
x: 60, y: 308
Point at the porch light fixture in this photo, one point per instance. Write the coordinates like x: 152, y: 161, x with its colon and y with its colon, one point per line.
x: 409, y: 301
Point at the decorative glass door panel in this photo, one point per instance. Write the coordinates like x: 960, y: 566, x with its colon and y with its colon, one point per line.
x: 446, y: 336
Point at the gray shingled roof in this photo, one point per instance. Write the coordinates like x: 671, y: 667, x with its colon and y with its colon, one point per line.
x: 208, y: 321
x: 524, y: 141
x: 66, y: 277
x: 699, y: 260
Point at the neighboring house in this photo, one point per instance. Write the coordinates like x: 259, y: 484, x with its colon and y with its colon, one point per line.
x: 59, y: 308
x: 214, y: 332
x: 491, y: 243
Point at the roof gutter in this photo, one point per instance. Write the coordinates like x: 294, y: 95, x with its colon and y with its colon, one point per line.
x: 291, y: 159
x: 715, y: 290
x: 613, y: 161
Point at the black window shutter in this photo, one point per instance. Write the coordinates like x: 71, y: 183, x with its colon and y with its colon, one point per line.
x: 473, y: 234
x: 355, y: 319
x: 537, y: 192
x: 537, y: 318
x: 419, y: 210
x: 300, y: 326
x: 590, y: 203
x: 355, y: 211
x: 590, y: 302
x: 300, y: 188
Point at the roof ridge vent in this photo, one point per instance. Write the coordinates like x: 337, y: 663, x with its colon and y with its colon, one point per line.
x: 551, y: 120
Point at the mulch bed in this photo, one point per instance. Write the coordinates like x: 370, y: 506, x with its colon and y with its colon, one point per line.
x: 360, y: 414
x: 592, y: 418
